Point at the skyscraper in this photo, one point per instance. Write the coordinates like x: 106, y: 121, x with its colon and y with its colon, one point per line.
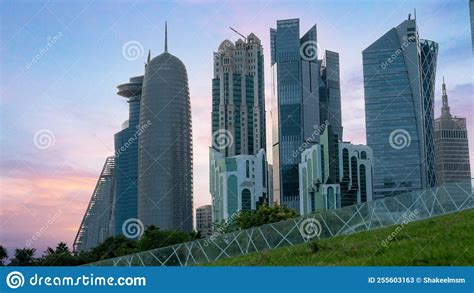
x: 165, y: 169
x: 98, y: 220
x: 126, y: 155
x: 308, y: 95
x: 452, y: 146
x: 237, y: 162
x: 399, y: 73
x: 330, y: 93
x: 238, y: 97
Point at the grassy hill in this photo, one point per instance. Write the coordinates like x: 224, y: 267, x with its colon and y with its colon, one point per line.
x: 445, y: 240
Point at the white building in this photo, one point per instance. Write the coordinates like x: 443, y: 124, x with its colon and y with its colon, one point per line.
x: 237, y: 183
x: 334, y: 174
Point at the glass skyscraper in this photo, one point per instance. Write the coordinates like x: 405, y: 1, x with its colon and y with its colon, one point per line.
x: 126, y: 156
x: 237, y: 161
x: 307, y: 93
x: 399, y: 74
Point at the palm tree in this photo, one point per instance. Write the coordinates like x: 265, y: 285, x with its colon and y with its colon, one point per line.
x: 24, y: 257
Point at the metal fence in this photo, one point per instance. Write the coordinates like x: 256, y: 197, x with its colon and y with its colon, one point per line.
x: 380, y: 213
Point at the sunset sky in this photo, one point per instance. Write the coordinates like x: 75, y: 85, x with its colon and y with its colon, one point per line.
x: 69, y: 92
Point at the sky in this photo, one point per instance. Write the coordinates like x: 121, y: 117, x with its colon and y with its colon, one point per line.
x: 62, y: 60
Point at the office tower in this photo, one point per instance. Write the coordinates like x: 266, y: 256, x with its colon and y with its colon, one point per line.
x: 330, y: 93
x: 452, y: 146
x: 204, y: 220
x: 399, y: 73
x: 98, y: 219
x: 471, y: 13
x: 238, y: 164
x: 126, y: 156
x: 165, y: 161
x: 334, y: 174
x: 238, y: 97
x: 307, y: 93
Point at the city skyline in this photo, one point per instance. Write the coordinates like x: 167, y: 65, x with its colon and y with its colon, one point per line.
x: 75, y: 164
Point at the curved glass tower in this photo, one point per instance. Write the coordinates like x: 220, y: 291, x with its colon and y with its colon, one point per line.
x: 399, y: 74
x: 165, y: 172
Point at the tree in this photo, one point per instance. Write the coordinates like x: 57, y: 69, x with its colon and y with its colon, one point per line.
x: 24, y: 257
x: 264, y: 215
x: 3, y: 255
x: 154, y: 238
x: 114, y: 247
x: 61, y: 256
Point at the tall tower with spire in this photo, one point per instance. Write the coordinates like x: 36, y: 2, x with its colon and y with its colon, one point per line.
x: 445, y: 112
x: 451, y: 145
x: 165, y: 161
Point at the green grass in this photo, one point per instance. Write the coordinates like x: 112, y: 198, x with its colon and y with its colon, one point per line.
x: 445, y: 240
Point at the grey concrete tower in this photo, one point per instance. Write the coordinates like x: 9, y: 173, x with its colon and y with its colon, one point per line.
x: 165, y: 161
x: 451, y: 145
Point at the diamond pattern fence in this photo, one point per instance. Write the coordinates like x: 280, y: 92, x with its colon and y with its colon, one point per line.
x: 451, y: 197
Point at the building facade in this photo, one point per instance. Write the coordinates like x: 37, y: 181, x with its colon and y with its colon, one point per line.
x: 204, y: 220
x: 238, y: 165
x: 452, y: 146
x: 165, y: 160
x: 126, y: 156
x: 98, y: 221
x: 237, y: 183
x: 238, y: 97
x: 334, y: 174
x: 307, y: 93
x: 399, y: 72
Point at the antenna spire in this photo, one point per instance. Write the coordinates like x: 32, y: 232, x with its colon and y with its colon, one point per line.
x: 149, y: 56
x: 445, y: 108
x: 166, y: 37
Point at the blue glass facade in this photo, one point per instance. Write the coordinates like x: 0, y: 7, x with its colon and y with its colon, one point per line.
x: 307, y: 95
x: 126, y: 156
x: 429, y: 54
x: 398, y: 84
